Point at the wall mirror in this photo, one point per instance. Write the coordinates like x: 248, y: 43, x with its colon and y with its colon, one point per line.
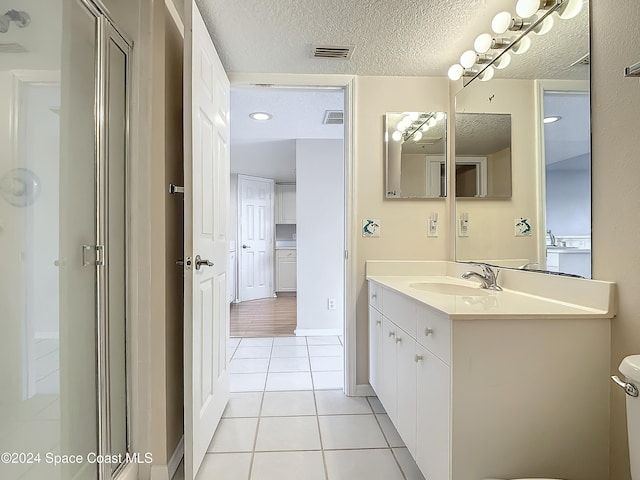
x: 545, y: 223
x: 415, y: 151
x: 483, y: 155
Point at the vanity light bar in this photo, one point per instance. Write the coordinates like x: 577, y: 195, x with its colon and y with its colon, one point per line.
x: 539, y: 23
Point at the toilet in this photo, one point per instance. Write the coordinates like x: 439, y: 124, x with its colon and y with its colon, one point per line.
x: 630, y: 368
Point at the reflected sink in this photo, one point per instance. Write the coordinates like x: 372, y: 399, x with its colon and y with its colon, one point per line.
x: 450, y: 289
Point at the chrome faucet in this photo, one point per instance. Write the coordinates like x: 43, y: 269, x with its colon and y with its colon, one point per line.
x: 552, y: 239
x: 488, y: 278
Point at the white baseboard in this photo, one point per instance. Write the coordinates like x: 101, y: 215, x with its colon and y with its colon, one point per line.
x: 318, y: 332
x: 166, y: 472
x: 364, y: 390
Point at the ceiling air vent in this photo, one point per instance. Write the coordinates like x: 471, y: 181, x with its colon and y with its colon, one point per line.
x: 10, y: 47
x: 586, y: 60
x: 333, y: 51
x: 333, y: 117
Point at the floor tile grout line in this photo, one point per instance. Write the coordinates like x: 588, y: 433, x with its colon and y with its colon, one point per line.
x: 324, y: 458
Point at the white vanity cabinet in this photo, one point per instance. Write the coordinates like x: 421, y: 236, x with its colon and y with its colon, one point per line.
x: 411, y: 382
x: 475, y: 395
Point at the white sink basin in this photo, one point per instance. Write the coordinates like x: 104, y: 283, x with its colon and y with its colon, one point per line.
x: 450, y: 289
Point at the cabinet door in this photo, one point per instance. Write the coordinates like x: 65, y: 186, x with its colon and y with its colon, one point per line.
x: 388, y: 388
x: 286, y: 276
x: 433, y: 443
x: 286, y: 204
x: 407, y: 389
x: 375, y: 349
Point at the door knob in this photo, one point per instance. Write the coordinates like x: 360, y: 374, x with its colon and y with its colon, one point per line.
x: 245, y: 246
x: 200, y: 262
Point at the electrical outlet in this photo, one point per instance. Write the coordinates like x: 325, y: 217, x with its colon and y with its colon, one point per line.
x: 331, y: 303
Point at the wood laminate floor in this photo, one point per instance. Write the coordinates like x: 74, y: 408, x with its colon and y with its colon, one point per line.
x: 267, y: 317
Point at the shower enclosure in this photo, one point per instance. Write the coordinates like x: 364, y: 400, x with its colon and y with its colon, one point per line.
x: 63, y: 243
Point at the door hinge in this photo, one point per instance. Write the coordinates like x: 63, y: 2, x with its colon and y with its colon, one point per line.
x: 346, y: 254
x: 97, y: 260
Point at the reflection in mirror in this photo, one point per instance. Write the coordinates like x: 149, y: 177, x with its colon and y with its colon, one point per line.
x: 546, y: 222
x: 483, y: 155
x: 567, y: 153
x: 415, y: 154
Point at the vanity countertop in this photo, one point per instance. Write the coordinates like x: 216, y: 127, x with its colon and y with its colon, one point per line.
x: 285, y: 244
x: 525, y: 294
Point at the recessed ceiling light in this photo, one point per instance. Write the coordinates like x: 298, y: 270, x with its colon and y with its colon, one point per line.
x: 551, y: 119
x: 260, y: 116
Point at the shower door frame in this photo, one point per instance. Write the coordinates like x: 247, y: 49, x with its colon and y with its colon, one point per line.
x: 107, y: 31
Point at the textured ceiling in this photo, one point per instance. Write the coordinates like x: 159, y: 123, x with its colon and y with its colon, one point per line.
x: 482, y: 134
x: 403, y: 37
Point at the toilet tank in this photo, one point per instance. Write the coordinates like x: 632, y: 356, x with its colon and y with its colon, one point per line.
x: 630, y: 368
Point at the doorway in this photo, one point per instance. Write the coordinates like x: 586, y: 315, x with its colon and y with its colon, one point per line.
x: 297, y: 330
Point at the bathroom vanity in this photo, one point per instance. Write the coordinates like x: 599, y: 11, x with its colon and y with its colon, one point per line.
x: 483, y: 384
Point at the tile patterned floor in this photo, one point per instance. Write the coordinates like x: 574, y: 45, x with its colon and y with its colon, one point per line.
x: 288, y: 419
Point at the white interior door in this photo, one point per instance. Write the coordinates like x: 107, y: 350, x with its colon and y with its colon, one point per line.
x: 256, y: 237
x: 206, y: 202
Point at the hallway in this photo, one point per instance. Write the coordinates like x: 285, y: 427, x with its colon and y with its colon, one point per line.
x: 288, y: 419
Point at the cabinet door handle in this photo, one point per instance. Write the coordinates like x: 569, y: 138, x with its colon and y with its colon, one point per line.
x: 374, y: 296
x: 392, y: 334
x: 398, y: 339
x: 378, y: 322
x: 428, y: 331
x: 419, y: 358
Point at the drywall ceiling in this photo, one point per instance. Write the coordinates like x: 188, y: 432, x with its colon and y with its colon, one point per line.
x: 403, y: 37
x: 570, y: 137
x: 267, y: 148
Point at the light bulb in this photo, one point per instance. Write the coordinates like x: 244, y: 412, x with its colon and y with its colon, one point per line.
x: 455, y: 72
x: 468, y: 59
x: 483, y: 43
x: 402, y: 125
x: 503, y: 61
x: 522, y: 46
x: 501, y: 22
x: 413, y: 116
x: 425, y: 127
x: 543, y: 27
x: 397, y: 136
x: 487, y: 74
x: 526, y: 8
x: 417, y: 136
x: 439, y: 116
x: 569, y: 9
x: 431, y: 122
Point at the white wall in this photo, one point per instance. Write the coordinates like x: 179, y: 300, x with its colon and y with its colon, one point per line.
x: 568, y: 194
x: 616, y: 191
x: 320, y: 232
x: 491, y: 222
x: 268, y: 159
x: 404, y: 229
